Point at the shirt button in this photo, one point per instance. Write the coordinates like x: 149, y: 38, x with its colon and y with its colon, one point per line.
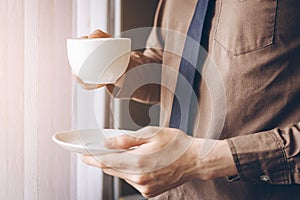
x: 264, y: 178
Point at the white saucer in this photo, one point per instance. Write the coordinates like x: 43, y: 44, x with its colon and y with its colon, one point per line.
x: 87, y: 141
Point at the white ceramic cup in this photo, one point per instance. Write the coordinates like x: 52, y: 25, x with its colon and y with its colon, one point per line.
x: 99, y: 60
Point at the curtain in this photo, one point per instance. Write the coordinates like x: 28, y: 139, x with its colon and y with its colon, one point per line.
x: 35, y: 99
x: 91, y: 109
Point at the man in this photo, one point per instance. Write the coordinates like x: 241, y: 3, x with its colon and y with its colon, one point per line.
x: 255, y: 47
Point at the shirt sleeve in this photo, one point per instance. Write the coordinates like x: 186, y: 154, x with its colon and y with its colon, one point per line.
x: 268, y: 157
x: 126, y: 87
x: 147, y: 93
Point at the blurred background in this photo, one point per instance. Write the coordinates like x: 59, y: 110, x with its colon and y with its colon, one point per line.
x: 39, y: 97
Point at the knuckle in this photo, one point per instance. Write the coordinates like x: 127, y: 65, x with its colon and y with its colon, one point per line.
x: 146, y: 196
x: 142, y: 180
x: 139, y: 163
x: 123, y: 142
x: 119, y: 142
x: 207, y: 176
x: 149, y: 194
x: 146, y: 191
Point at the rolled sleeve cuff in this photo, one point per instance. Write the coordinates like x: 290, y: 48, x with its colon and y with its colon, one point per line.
x: 260, y: 158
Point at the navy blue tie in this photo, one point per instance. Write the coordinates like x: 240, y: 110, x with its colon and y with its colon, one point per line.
x: 185, y: 104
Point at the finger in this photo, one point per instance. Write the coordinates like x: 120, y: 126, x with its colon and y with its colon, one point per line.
x: 91, y: 86
x: 87, y: 86
x: 77, y: 78
x: 99, y: 34
x: 144, y: 190
x: 124, y: 162
x: 126, y: 141
x: 115, y: 161
x: 114, y: 172
x: 84, y: 36
x: 132, y: 161
x: 134, y: 179
x: 135, y: 138
x: 93, y: 161
x: 147, y: 132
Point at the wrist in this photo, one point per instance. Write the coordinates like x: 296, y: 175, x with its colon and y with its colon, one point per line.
x: 215, y: 159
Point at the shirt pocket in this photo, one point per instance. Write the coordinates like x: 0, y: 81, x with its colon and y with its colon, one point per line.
x: 246, y: 25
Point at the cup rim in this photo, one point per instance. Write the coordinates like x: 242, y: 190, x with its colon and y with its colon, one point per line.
x: 96, y: 39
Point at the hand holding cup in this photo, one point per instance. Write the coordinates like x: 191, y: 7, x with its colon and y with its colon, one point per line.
x: 98, y: 59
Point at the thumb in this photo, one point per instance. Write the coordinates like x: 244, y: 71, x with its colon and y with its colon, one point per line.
x: 99, y: 34
x: 125, y: 141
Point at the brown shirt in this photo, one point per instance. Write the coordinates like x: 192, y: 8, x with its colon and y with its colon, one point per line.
x: 255, y: 46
